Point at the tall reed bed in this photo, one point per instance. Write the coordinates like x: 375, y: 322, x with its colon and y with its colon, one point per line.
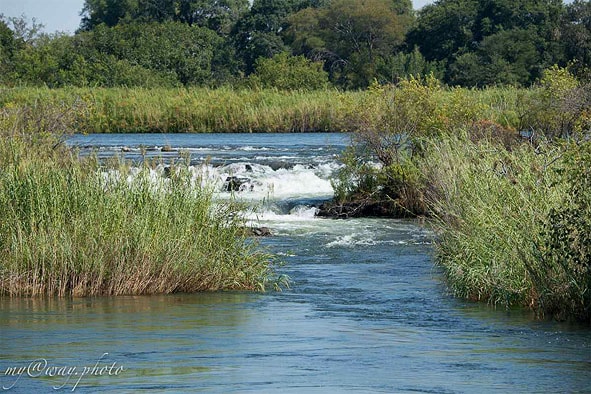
x: 125, y: 110
x: 193, y: 110
x: 513, y: 226
x: 72, y: 227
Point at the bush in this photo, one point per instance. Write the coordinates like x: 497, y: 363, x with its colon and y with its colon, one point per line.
x: 285, y: 72
x: 563, y: 273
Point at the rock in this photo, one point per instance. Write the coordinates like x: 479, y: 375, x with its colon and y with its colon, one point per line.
x: 234, y: 183
x: 356, y: 209
x: 166, y: 148
x: 166, y: 172
x: 261, y: 231
x: 248, y: 168
x: 257, y: 231
x: 126, y: 149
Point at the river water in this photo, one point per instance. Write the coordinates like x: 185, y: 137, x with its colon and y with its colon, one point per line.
x: 367, y: 310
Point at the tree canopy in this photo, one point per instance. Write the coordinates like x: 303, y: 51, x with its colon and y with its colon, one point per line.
x: 214, y: 42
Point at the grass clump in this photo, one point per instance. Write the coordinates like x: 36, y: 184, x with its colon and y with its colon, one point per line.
x: 72, y: 227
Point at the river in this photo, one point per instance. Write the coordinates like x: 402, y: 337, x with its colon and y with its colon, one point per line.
x: 367, y: 310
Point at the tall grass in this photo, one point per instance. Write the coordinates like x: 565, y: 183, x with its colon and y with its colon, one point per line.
x: 192, y: 110
x: 488, y: 206
x: 197, y: 110
x: 71, y: 227
x: 513, y: 226
x: 513, y: 215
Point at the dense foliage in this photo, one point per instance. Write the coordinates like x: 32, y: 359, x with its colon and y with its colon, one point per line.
x: 220, y: 42
x: 512, y: 210
x: 79, y: 227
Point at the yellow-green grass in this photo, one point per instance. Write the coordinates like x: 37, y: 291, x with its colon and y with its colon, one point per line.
x: 123, y: 110
x: 72, y: 227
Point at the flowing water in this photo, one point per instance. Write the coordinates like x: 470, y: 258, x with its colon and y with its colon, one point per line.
x: 367, y: 310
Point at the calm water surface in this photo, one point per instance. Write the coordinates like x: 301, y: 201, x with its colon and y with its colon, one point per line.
x: 366, y: 312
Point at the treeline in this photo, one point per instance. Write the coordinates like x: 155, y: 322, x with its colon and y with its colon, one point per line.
x: 295, y: 44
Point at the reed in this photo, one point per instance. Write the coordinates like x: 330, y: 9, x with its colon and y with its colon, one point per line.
x: 74, y: 227
x: 192, y: 110
x: 511, y: 230
x: 195, y: 110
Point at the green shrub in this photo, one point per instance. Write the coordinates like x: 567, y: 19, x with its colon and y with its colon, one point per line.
x: 286, y: 72
x: 563, y: 273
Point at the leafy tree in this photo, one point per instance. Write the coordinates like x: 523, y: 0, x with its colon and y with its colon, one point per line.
x: 490, y: 41
x: 351, y: 36
x: 108, y: 12
x: 507, y: 57
x: 257, y: 34
x: 401, y: 66
x: 444, y: 28
x: 576, y: 35
x: 218, y: 15
x: 171, y: 47
x: 287, y: 72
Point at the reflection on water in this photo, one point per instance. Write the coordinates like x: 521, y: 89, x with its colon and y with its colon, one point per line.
x: 367, y: 312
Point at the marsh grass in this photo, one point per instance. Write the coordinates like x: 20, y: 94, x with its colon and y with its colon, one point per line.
x: 192, y: 110
x: 133, y: 110
x: 72, y: 227
x: 513, y: 225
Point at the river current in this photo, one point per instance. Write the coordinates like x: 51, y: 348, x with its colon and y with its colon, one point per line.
x: 367, y: 309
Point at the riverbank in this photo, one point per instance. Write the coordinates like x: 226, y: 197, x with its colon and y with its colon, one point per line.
x: 199, y: 110
x: 77, y: 227
x: 511, y: 208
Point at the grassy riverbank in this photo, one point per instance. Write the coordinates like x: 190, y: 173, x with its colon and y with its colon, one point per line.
x: 512, y: 209
x: 72, y: 227
x: 122, y: 110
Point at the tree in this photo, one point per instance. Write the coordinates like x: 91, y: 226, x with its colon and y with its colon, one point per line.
x: 507, y: 57
x: 351, y: 36
x: 490, y: 41
x: 576, y: 35
x: 443, y: 29
x: 218, y: 15
x: 258, y: 33
x: 108, y: 12
x: 287, y: 72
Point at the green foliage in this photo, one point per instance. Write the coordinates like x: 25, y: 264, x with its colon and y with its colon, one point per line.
x: 490, y: 42
x: 287, y: 72
x: 71, y: 227
x: 217, y: 15
x: 406, y: 65
x: 509, y: 57
x: 576, y: 36
x: 564, y: 269
x: 350, y: 36
x: 257, y: 34
x: 561, y: 107
x: 444, y: 29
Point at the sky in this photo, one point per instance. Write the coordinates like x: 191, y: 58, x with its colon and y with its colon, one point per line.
x: 64, y: 15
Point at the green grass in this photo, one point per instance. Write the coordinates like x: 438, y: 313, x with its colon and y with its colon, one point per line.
x: 510, y: 229
x: 193, y: 110
x: 72, y: 227
x: 196, y: 110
